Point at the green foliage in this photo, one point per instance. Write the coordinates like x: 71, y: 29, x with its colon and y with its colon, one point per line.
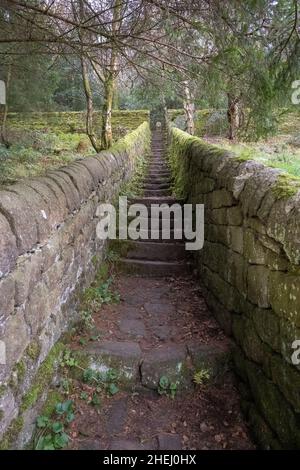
x: 112, y: 256
x: 166, y: 387
x: 105, y: 381
x: 286, y: 186
x: 86, y: 320
x: 200, y: 376
x: 68, y: 359
x: 45, y: 141
x: 134, y: 187
x: 95, y: 400
x: 96, y: 296
x: 50, y: 434
x: 178, y: 156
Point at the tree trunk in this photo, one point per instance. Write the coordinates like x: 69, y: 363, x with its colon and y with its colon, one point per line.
x: 189, y: 109
x: 110, y: 80
x: 3, y: 133
x: 89, y: 107
x: 106, y: 135
x: 234, y: 115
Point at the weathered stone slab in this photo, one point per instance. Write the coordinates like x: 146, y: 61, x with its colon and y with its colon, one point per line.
x: 285, y: 295
x: 158, y: 309
x: 124, y: 356
x: 127, y: 444
x: 8, y: 247
x: 211, y: 357
x: 7, y: 296
x: 169, y: 442
x: 117, y: 416
x: 258, y: 285
x: 169, y: 361
x: 132, y: 327
x: 21, y: 218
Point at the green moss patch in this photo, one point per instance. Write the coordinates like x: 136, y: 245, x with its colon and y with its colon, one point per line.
x: 286, y: 186
x: 42, y: 379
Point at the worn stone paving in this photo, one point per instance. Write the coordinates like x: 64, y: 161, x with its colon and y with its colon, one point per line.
x: 161, y: 329
x: 152, y: 331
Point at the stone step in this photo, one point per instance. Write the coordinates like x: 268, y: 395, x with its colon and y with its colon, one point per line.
x: 179, y: 363
x: 156, y: 251
x: 156, y: 185
x: 123, y: 356
x: 156, y: 179
x: 160, y: 235
x: 157, y: 192
x: 154, y: 268
x: 147, y: 201
x: 159, y: 170
x: 162, y: 172
x: 159, y: 166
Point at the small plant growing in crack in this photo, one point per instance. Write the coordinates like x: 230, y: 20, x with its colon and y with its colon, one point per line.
x: 96, y: 296
x: 103, y: 380
x: 112, y: 257
x: 51, y: 434
x: 68, y: 359
x: 166, y: 387
x: 201, y: 376
x: 86, y: 320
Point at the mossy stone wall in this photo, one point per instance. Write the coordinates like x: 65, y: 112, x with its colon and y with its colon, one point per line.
x: 250, y: 273
x: 48, y: 248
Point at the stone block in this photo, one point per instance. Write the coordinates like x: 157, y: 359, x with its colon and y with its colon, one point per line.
x: 274, y: 407
x: 16, y: 337
x: 287, y: 377
x: 267, y: 325
x: 221, y: 198
x: 169, y: 361
x: 259, y: 283
x: 254, y: 251
x: 236, y: 237
x: 21, y: 218
x: 27, y: 275
x: 38, y: 207
x: 8, y: 247
x: 234, y: 216
x: 64, y: 182
x: 285, y: 295
x: 7, y: 297
x: 37, y: 309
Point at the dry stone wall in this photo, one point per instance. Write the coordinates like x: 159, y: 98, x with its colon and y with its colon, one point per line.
x: 250, y: 273
x: 49, y: 252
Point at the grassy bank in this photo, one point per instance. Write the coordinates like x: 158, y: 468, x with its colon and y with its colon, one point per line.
x: 42, y: 141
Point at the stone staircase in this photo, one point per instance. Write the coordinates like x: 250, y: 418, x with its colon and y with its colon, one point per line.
x: 157, y: 257
x: 157, y: 340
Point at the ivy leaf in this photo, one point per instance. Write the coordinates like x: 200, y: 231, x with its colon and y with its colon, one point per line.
x: 45, y: 443
x: 70, y: 417
x: 113, y: 389
x: 57, y: 427
x: 61, y: 440
x: 96, y: 400
x: 42, y: 421
x: 164, y: 382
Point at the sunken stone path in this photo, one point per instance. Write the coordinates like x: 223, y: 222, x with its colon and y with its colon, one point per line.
x: 158, y: 337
